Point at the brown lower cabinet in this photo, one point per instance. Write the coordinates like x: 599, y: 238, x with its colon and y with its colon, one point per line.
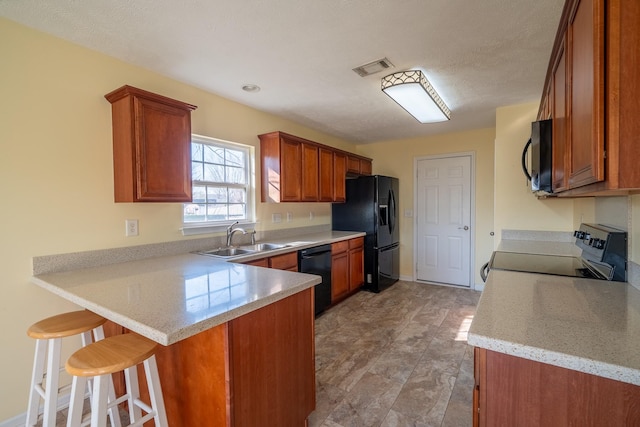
x: 255, y: 370
x: 287, y: 262
x: 347, y: 268
x: 513, y: 391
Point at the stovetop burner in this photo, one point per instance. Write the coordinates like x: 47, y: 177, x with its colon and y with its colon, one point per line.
x: 604, y: 256
x: 542, y: 264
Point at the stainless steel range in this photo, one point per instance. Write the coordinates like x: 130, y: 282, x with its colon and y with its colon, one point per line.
x: 604, y: 256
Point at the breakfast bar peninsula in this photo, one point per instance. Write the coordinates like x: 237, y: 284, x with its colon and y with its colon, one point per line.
x: 237, y: 340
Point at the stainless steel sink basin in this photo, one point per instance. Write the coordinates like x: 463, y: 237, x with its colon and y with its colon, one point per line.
x: 227, y: 252
x: 260, y: 247
x: 242, y: 250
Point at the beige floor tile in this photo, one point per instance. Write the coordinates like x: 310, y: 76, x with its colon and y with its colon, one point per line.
x: 399, y: 358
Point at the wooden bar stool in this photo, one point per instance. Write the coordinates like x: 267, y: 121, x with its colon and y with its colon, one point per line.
x: 103, y: 358
x: 46, y: 374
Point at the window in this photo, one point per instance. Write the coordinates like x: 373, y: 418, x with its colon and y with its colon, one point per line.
x: 221, y: 183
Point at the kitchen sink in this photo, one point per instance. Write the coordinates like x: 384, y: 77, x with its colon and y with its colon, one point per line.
x: 242, y: 250
x: 260, y: 247
x: 227, y: 252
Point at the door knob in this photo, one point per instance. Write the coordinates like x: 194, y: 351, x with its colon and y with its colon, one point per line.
x: 466, y: 227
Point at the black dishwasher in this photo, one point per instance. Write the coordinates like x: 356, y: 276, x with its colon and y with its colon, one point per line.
x: 317, y: 260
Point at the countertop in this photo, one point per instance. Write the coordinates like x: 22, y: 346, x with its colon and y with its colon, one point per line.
x: 170, y: 298
x: 587, y: 325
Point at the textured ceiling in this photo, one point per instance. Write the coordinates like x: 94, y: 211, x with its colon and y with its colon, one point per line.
x: 478, y: 54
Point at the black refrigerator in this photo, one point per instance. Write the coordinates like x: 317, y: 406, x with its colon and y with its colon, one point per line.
x: 372, y: 207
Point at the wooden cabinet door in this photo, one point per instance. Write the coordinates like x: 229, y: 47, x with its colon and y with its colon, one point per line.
x: 326, y: 173
x: 365, y: 167
x: 290, y: 170
x: 272, y: 365
x: 309, y: 173
x: 151, y: 146
x: 519, y: 392
x: 339, y: 177
x: 356, y: 263
x: 353, y: 165
x: 163, y: 140
x: 559, y: 110
x: 339, y: 270
x: 586, y: 125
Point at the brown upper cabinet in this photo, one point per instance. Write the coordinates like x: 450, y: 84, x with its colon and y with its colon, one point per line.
x: 295, y: 169
x: 327, y: 182
x: 591, y: 92
x: 151, y: 146
x: 310, y: 172
x: 339, y: 177
x: 358, y: 166
x: 557, y: 110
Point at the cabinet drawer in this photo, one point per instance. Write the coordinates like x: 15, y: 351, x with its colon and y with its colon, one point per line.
x: 356, y: 243
x: 285, y: 262
x: 339, y: 247
x: 262, y: 262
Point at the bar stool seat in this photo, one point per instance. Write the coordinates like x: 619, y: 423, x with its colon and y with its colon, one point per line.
x: 46, y: 373
x: 103, y: 358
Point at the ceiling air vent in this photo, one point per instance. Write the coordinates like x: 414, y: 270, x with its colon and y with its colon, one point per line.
x: 373, y: 67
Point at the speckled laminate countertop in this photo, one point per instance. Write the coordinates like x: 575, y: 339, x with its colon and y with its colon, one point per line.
x: 587, y: 325
x: 170, y: 298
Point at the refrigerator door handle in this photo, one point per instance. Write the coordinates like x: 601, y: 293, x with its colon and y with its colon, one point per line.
x: 392, y: 211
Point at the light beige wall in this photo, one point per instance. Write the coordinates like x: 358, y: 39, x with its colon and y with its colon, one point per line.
x: 515, y: 206
x: 57, y: 178
x: 396, y: 158
x: 584, y: 210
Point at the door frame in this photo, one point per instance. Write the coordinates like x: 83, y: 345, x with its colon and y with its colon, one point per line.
x: 472, y: 225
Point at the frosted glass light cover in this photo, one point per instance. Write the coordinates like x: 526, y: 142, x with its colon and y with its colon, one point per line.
x: 413, y: 92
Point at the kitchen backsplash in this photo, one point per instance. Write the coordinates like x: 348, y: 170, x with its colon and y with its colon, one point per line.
x: 76, y: 260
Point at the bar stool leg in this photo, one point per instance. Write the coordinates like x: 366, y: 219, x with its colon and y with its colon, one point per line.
x: 36, y: 379
x: 76, y: 403
x: 114, y: 414
x: 133, y: 390
x: 99, y: 406
x: 51, y: 390
x: 155, y: 393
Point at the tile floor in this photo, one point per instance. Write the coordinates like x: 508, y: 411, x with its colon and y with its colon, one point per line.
x: 398, y: 358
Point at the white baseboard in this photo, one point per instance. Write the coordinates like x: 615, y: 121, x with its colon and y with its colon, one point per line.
x: 17, y: 421
x: 20, y: 419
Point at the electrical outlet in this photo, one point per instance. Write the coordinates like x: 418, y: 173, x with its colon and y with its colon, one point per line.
x: 276, y: 217
x: 131, y: 227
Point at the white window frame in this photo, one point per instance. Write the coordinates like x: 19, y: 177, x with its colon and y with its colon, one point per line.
x: 202, y: 227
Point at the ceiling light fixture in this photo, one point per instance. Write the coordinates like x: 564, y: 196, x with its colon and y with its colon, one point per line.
x: 413, y: 92
x: 251, y: 88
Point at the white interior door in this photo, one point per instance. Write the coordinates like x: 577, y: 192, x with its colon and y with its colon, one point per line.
x: 443, y: 220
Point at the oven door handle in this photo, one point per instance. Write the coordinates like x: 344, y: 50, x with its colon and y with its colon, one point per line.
x: 484, y: 272
x: 524, y: 160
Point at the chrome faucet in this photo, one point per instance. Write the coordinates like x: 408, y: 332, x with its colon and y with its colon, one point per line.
x: 231, y: 231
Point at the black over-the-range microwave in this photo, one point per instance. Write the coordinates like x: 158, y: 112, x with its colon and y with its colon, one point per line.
x: 540, y: 144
